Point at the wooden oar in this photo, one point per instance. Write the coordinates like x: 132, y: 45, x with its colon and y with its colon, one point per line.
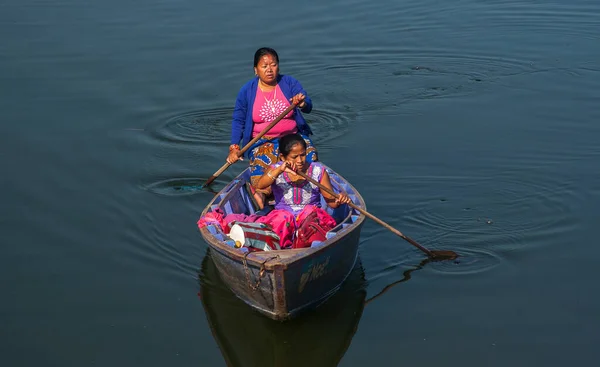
x: 247, y: 146
x: 434, y: 255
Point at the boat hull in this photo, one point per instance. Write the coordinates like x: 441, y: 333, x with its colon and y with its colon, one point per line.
x: 282, y: 284
x: 283, y: 292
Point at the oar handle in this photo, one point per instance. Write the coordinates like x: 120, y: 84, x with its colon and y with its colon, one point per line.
x: 247, y: 146
x: 366, y: 213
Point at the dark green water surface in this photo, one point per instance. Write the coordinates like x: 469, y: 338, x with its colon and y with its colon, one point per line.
x: 470, y: 126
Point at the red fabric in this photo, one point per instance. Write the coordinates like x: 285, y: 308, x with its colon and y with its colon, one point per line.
x: 283, y: 224
x: 313, y: 224
x: 223, y: 222
x: 215, y: 218
x: 324, y: 219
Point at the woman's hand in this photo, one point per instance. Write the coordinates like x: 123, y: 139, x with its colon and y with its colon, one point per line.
x: 233, y: 156
x: 298, y: 99
x: 289, y: 167
x: 342, y: 199
x: 275, y: 172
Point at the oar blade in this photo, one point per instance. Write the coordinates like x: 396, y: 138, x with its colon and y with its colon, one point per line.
x: 208, y: 182
x: 439, y: 255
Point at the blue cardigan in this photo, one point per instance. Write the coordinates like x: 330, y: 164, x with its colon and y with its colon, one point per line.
x: 242, y: 124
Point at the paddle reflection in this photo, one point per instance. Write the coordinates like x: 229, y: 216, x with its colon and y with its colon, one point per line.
x: 406, y: 276
x: 317, y: 338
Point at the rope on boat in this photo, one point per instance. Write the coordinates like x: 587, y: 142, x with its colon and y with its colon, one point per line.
x: 261, y: 272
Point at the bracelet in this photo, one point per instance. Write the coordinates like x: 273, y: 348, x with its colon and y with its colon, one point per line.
x: 269, y: 174
x: 234, y: 147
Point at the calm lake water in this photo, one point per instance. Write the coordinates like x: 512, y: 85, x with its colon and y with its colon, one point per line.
x: 469, y: 125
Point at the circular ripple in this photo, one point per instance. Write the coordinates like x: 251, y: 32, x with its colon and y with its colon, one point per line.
x: 436, y: 62
x: 328, y: 125
x: 206, y: 126
x: 214, y: 126
x: 182, y: 186
x: 475, y: 254
x: 516, y: 210
x: 470, y: 261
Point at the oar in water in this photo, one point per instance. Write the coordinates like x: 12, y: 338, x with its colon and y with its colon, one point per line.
x: 247, y: 146
x: 433, y: 254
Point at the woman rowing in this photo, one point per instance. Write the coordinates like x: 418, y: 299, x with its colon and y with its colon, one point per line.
x: 259, y: 102
x: 297, y: 200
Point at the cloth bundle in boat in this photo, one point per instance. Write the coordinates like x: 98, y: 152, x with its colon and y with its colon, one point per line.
x: 257, y: 235
x: 313, y: 228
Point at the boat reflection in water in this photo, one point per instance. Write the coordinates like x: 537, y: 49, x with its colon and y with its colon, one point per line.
x: 246, y: 338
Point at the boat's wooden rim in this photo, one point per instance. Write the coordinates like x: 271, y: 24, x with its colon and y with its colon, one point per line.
x: 279, y: 258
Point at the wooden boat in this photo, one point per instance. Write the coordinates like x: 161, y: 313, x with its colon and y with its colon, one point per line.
x: 320, y: 337
x: 282, y: 283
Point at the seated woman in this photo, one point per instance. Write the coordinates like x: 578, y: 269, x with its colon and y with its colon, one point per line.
x: 296, y: 199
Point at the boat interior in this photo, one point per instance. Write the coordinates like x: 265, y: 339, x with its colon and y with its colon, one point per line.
x: 237, y: 198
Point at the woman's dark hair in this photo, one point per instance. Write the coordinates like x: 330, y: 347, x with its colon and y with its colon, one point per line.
x: 264, y: 51
x: 287, y: 142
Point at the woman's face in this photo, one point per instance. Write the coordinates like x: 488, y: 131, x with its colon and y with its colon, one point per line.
x: 297, y: 155
x: 267, y: 69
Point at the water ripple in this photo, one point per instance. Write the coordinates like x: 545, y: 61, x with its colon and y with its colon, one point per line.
x: 153, y: 240
x: 421, y: 73
x: 205, y: 126
x: 329, y: 124
x: 471, y: 261
x: 425, y: 62
x: 569, y: 19
x: 182, y: 186
x: 527, y: 209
